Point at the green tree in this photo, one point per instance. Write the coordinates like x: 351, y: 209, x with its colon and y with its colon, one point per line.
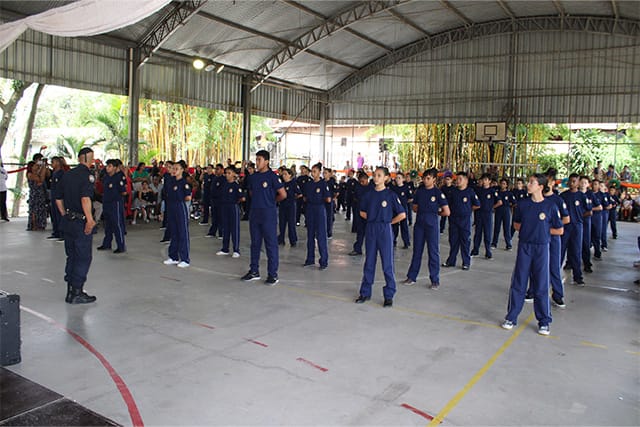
x: 115, y: 126
x: 586, y: 149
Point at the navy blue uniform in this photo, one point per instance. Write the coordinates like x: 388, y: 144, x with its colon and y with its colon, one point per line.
x: 536, y: 220
x: 572, y: 237
x: 263, y: 219
x: 178, y: 218
x: 315, y: 195
x: 446, y: 190
x: 404, y: 193
x: 586, y: 231
x: 460, y: 204
x: 381, y: 207
x: 412, y: 190
x: 606, y: 204
x: 555, y: 251
x: 359, y: 223
x: 287, y: 213
x: 426, y: 231
x: 216, y: 194
x: 503, y: 218
x: 484, y: 219
x: 113, y: 210
x: 596, y: 223
x: 230, y: 196
x: 331, y: 206
x: 207, y: 179
x: 56, y: 216
x: 350, y: 189
x: 76, y: 184
x: 302, y: 180
x: 613, y: 214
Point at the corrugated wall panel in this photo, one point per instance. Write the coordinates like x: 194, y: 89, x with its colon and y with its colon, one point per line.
x: 286, y: 104
x: 556, y: 77
x: 65, y: 62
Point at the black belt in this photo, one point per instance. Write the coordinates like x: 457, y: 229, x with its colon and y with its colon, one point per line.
x: 75, y: 216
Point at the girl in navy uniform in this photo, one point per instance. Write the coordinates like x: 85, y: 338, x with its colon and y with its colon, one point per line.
x: 113, y: 207
x: 405, y: 194
x: 598, y: 209
x: 606, y: 209
x: 503, y: 214
x: 536, y: 220
x: 446, y: 189
x: 380, y: 208
x: 302, y: 180
x: 231, y: 196
x: 217, y: 181
x: 613, y: 212
x: 207, y: 179
x: 59, y: 165
x: 587, y: 222
x: 287, y: 209
x: 331, y: 205
x: 317, y: 195
x: 178, y: 194
x: 265, y: 189
x: 412, y: 190
x: 360, y: 189
x: 571, y: 242
x: 429, y: 203
x: 489, y: 201
x: 462, y: 203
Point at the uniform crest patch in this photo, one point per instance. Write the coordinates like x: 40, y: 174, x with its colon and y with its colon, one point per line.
x: 186, y: 186
x: 231, y: 190
x: 384, y: 203
x: 464, y: 199
x: 577, y: 202
x: 433, y: 198
x: 402, y: 194
x: 442, y: 196
x: 542, y: 216
x: 488, y: 196
x: 92, y: 179
x: 110, y: 185
x: 317, y: 190
x: 175, y: 188
x: 265, y: 185
x: 121, y: 183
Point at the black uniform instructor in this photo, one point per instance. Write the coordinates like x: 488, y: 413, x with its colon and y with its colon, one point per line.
x: 74, y: 203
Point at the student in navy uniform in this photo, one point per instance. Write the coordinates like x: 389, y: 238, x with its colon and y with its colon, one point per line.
x: 207, y: 179
x: 167, y: 181
x: 412, y: 189
x: 331, y: 205
x: 489, y: 201
x: 429, y: 203
x: 576, y: 202
x: 73, y: 200
x: 178, y: 194
x: 358, y: 222
x: 316, y: 196
x: 302, y: 180
x: 216, y: 186
x: 58, y: 164
x: 265, y: 189
x: 350, y: 187
x: 598, y: 208
x: 287, y: 209
x: 249, y: 170
x: 404, y: 194
x: 446, y: 189
x: 381, y: 208
x: 613, y: 212
x: 231, y: 195
x: 536, y: 219
x: 463, y: 202
x: 342, y: 189
x: 503, y: 214
x: 585, y: 183
x: 606, y: 209
x: 519, y: 192
x: 115, y: 189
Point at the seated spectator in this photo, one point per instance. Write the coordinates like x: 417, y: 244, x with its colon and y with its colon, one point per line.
x: 627, y: 207
x: 144, y: 198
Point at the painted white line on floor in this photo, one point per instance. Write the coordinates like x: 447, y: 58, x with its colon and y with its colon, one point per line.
x: 21, y: 272
x: 44, y: 279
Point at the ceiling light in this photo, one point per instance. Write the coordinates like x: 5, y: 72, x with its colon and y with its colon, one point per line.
x: 198, y: 64
x: 220, y: 68
x: 209, y: 67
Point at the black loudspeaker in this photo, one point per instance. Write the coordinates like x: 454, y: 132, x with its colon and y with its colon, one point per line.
x: 9, y: 329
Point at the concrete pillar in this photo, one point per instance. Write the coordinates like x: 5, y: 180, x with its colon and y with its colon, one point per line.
x: 133, y: 88
x: 246, y: 118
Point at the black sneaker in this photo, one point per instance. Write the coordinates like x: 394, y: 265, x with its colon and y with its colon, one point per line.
x: 387, y: 303
x: 488, y: 257
x: 309, y: 264
x: 271, y: 280
x: 445, y: 265
x: 528, y: 298
x: 354, y: 253
x: 558, y: 302
x: 251, y: 276
x: 588, y: 270
x: 474, y: 254
x: 361, y: 299
x: 579, y: 283
x: 323, y: 267
x: 465, y: 267
x: 103, y: 248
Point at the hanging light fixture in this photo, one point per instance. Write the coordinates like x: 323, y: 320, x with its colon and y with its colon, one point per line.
x: 198, y: 63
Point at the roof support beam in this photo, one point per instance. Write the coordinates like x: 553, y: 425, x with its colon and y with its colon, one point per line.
x: 283, y: 42
x: 348, y: 30
x: 455, y: 10
x: 406, y: 21
x: 165, y: 27
x: 353, y: 13
x: 506, y: 9
x: 614, y: 8
x: 587, y: 24
x: 559, y: 7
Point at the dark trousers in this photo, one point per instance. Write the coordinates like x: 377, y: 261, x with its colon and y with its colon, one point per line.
x: 178, y: 226
x: 56, y: 220
x: 330, y: 216
x: 317, y: 232
x: 231, y: 227
x: 572, y: 247
x: 287, y: 221
x: 459, y: 240
x: 503, y: 218
x: 216, y: 220
x: 300, y: 210
x: 403, y: 228
x: 206, y: 209
x: 379, y: 240
x: 113, y: 224
x: 77, y: 247
x: 263, y: 226
x: 426, y: 234
x: 3, y: 205
x: 613, y: 214
x: 359, y: 225
x: 484, y: 229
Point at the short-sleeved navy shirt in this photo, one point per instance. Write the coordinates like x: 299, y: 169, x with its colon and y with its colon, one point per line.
x: 508, y: 199
x: 76, y: 184
x: 461, y: 202
x: 488, y: 197
x: 597, y: 199
x: 404, y: 194
x: 316, y: 193
x: 429, y: 202
x: 113, y: 186
x: 230, y: 193
x: 56, y: 176
x: 216, y: 187
x: 447, y: 189
x: 207, y: 179
x: 293, y: 190
x: 576, y: 204
x: 381, y: 206
x: 263, y: 187
x: 178, y: 190
x: 560, y: 204
x: 520, y: 194
x: 536, y: 220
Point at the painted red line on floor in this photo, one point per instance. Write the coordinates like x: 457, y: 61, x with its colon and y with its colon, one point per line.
x: 204, y: 325
x: 134, y: 413
x: 256, y: 342
x: 417, y: 411
x: 303, y: 360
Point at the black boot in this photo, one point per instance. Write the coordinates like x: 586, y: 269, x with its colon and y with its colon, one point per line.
x: 69, y: 296
x: 81, y: 297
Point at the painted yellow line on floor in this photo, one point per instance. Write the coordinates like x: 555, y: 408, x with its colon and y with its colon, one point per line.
x: 478, y: 375
x: 590, y: 344
x: 635, y: 353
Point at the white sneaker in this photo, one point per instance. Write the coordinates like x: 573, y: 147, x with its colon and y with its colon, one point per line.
x: 222, y: 253
x: 544, y: 330
x: 183, y: 264
x: 133, y: 222
x: 507, y: 324
x: 170, y: 261
x: 235, y: 255
x: 219, y: 237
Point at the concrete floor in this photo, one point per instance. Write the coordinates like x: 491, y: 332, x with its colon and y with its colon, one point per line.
x: 200, y: 347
